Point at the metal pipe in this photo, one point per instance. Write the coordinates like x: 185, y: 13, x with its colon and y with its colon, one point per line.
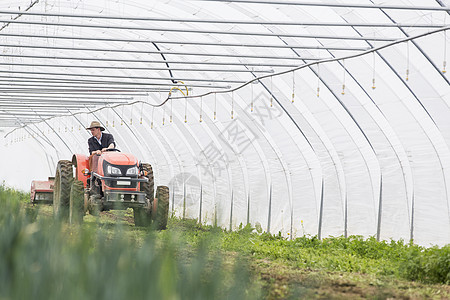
x: 70, y: 91
x: 83, y: 84
x: 59, y: 102
x: 20, y: 100
x: 189, y: 30
x: 124, y: 91
x: 199, y: 43
x: 217, y: 21
x: 159, y: 52
x: 124, y: 76
x: 147, y: 68
x: 185, y: 62
x: 333, y: 4
x: 70, y: 97
x: 44, y: 110
x: 40, y: 106
x: 29, y: 114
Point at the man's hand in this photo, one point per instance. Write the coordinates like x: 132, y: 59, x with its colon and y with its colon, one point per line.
x: 98, y: 152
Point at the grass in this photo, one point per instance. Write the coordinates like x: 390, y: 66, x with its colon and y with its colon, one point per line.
x: 109, y: 258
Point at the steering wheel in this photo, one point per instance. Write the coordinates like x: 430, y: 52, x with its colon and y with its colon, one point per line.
x: 112, y: 149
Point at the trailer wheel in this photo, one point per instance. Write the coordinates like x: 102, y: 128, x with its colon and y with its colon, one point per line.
x: 61, y: 192
x: 76, y: 210
x: 161, y: 204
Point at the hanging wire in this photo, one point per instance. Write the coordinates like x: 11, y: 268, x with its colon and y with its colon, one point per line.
x: 107, y: 114
x: 185, y: 110
x: 121, y: 117
x: 232, y: 105
x: 318, y: 79
x: 164, y: 108
x: 171, y: 109
x: 271, y: 92
x: 164, y: 114
x: 407, y: 60
x: 153, y: 111
x: 343, y: 80
x: 444, y: 64
x: 131, y: 115
x: 251, y: 101
x: 142, y: 108
x: 201, y: 108
x: 113, y: 118
x: 215, y: 105
x: 293, y: 86
x: 373, y: 75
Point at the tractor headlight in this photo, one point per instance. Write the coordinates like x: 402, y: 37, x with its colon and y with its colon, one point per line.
x: 113, y: 170
x: 133, y: 171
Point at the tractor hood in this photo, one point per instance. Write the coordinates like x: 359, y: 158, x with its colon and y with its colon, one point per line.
x: 119, y: 158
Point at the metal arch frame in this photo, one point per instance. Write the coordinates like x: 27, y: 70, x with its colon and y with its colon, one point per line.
x: 49, y: 158
x: 289, y: 181
x: 300, y: 67
x: 430, y: 139
x: 351, y: 136
x: 315, y: 63
x: 201, y: 153
x: 333, y: 157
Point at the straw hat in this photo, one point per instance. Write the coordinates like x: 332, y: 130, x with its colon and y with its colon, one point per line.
x: 96, y: 124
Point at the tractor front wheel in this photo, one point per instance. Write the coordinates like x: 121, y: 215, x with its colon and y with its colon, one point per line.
x: 160, y: 211
x: 76, y: 211
x: 142, y: 217
x: 61, y: 191
x: 148, y: 187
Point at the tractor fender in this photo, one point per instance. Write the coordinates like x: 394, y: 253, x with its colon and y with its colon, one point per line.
x: 80, y: 162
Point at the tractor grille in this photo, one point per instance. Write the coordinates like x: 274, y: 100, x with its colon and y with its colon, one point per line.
x: 122, y: 182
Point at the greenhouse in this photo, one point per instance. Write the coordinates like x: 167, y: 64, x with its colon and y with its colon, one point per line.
x: 327, y: 118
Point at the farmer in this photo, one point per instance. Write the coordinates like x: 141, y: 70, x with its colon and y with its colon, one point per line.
x: 100, y: 141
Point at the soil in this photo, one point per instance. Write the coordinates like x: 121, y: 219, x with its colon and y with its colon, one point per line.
x: 285, y: 282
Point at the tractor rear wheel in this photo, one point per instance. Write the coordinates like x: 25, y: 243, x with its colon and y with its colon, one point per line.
x: 160, y: 211
x: 61, y: 191
x: 76, y: 211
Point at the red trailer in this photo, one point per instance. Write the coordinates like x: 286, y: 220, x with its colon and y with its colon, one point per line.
x: 42, y: 191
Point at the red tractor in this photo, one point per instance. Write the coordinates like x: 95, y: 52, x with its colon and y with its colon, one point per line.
x: 112, y: 180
